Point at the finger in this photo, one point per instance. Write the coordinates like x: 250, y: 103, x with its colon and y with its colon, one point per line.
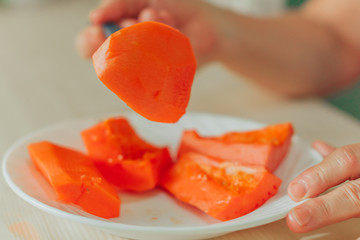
x: 89, y: 40
x: 150, y: 14
x: 167, y: 18
x: 127, y: 22
x: 114, y: 10
x: 339, y: 166
x: 323, y: 148
x: 324, y: 210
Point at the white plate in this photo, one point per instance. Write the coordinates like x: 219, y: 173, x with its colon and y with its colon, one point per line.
x: 152, y: 215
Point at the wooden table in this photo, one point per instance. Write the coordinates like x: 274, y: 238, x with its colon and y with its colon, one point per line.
x: 43, y: 81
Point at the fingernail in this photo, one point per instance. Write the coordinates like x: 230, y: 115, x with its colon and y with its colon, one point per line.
x: 301, y: 215
x: 298, y: 190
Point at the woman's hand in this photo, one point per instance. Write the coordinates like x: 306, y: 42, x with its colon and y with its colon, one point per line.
x: 338, y: 166
x: 190, y: 17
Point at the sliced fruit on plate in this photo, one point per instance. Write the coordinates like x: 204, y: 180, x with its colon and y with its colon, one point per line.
x: 75, y: 179
x: 123, y: 157
x: 266, y: 147
x: 224, y: 190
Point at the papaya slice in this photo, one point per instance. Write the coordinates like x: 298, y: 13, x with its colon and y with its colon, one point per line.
x: 224, y: 190
x: 266, y: 147
x: 75, y: 179
x: 125, y: 159
x: 150, y: 66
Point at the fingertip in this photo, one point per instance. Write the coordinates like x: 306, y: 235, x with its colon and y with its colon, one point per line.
x: 317, y: 144
x: 95, y: 17
x: 323, y: 148
x: 88, y: 41
x: 127, y: 22
x: 148, y: 14
x: 291, y: 223
x: 167, y: 18
x: 299, y: 218
x: 298, y: 190
x: 108, y: 11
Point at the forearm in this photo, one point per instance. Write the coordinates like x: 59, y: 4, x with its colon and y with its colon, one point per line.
x: 290, y: 54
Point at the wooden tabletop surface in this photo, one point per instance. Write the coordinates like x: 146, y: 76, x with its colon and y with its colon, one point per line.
x: 43, y: 81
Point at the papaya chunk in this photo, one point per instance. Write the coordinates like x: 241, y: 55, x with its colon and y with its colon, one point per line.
x: 123, y: 157
x: 75, y: 179
x: 224, y: 190
x: 150, y: 66
x: 266, y: 147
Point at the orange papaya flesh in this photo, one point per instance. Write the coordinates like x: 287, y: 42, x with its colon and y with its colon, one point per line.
x: 224, y: 190
x: 266, y: 147
x: 125, y: 159
x: 150, y: 66
x: 75, y: 179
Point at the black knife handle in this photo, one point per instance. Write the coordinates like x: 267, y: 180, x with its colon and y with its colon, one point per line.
x: 110, y: 28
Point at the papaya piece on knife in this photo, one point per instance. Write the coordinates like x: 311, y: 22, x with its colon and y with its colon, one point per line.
x: 150, y: 66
